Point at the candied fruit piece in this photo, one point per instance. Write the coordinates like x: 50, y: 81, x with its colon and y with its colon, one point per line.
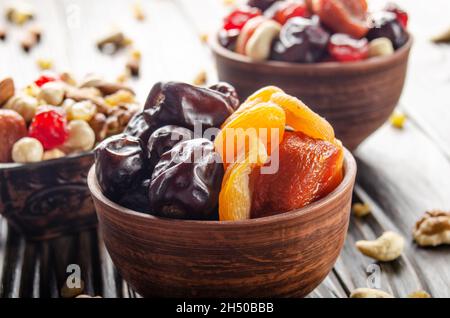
x: 344, y: 48
x: 309, y: 169
x: 49, y: 126
x: 265, y: 121
x: 343, y: 16
x: 301, y: 118
x: 239, y: 17
x: 236, y: 193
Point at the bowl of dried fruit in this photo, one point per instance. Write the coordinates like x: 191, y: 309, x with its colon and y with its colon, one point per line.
x: 48, y: 131
x: 205, y: 197
x: 347, y: 62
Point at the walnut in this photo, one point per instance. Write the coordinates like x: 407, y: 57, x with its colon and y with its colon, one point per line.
x: 433, y: 229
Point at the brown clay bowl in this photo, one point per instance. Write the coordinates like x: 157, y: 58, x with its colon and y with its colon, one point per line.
x: 285, y: 255
x: 49, y: 198
x: 356, y: 98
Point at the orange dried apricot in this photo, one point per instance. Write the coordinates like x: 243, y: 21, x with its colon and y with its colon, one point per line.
x: 261, y: 95
x: 301, y: 118
x: 236, y: 194
x: 263, y: 121
x: 309, y: 169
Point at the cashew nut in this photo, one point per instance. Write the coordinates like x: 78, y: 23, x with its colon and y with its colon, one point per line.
x: 387, y: 247
x: 259, y: 44
x: 27, y: 149
x: 369, y: 293
x: 52, y: 93
x: 380, y: 47
x: 419, y: 294
x: 361, y: 209
x: 433, y: 229
x: 81, y: 137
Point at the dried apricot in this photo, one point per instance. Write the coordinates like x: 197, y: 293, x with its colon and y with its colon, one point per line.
x: 301, y: 118
x: 236, y: 193
x: 261, y: 95
x: 309, y: 169
x: 263, y: 121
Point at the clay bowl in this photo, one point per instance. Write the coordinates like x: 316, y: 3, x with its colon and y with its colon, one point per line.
x: 49, y: 198
x: 355, y: 97
x: 285, y: 255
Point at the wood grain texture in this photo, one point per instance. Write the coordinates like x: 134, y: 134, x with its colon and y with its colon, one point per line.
x: 286, y: 255
x: 401, y: 173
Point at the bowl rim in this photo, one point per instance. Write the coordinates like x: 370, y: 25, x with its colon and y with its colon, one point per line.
x: 370, y: 63
x: 43, y: 163
x: 350, y: 168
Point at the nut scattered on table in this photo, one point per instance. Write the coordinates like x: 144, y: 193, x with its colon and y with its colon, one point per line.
x: 433, y: 229
x: 133, y: 64
x: 443, y: 37
x: 36, y: 31
x: 361, y: 209
x: 369, y: 293
x: 3, y: 33
x: 201, y: 78
x: 28, y: 42
x: 19, y: 14
x: 138, y: 11
x: 419, y: 294
x: 112, y: 42
x: 398, y: 120
x: 204, y: 37
x: 387, y: 247
x: 6, y: 90
x: 87, y: 296
x: 44, y: 63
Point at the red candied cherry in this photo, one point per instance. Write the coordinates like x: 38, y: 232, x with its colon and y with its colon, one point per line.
x: 289, y: 10
x: 45, y: 79
x: 49, y: 126
x: 401, y: 15
x: 237, y: 18
x: 344, y: 48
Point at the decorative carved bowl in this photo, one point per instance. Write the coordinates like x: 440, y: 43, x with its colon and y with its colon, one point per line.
x: 356, y: 97
x: 49, y: 198
x: 285, y: 255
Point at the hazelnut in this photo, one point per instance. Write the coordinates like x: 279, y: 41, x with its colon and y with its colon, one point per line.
x: 81, y: 136
x: 52, y: 93
x: 98, y: 124
x: 84, y: 110
x: 23, y: 104
x: 53, y: 154
x: 27, y: 149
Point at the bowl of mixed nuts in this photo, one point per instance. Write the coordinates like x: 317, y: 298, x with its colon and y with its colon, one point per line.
x: 345, y: 60
x: 48, y: 131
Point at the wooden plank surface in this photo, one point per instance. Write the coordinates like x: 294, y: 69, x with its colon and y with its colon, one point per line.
x: 401, y: 173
